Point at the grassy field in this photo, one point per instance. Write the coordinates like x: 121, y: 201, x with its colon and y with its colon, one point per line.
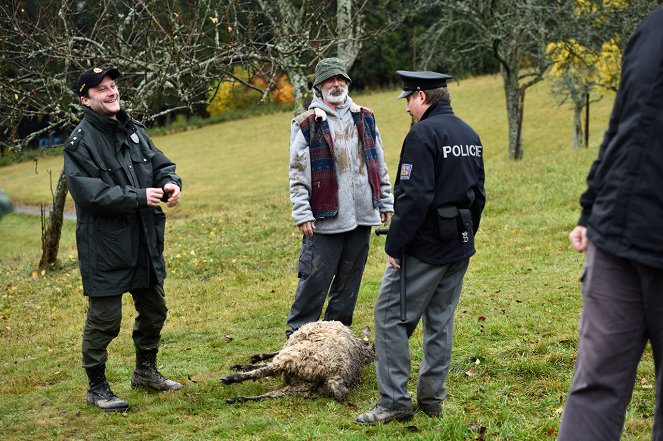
x: 231, y: 251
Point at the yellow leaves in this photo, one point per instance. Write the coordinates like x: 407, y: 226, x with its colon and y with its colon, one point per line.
x: 213, y: 19
x: 571, y: 59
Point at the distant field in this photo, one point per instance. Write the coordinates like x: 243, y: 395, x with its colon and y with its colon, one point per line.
x: 231, y: 252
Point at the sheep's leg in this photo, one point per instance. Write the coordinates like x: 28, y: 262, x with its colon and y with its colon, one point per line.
x: 261, y: 357
x: 290, y: 390
x: 337, y: 388
x: 266, y: 371
x: 247, y: 367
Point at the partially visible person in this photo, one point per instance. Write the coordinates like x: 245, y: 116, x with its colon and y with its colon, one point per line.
x: 339, y: 188
x: 620, y: 231
x: 118, y: 180
x: 5, y: 204
x: 439, y: 200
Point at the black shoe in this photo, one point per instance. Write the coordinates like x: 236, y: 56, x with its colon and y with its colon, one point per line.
x: 430, y: 409
x: 146, y: 373
x: 100, y: 394
x: 381, y: 414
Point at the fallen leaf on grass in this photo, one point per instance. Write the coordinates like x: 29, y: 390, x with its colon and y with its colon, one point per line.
x: 470, y: 373
x: 229, y: 338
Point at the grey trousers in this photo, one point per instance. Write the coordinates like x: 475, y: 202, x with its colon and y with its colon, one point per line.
x: 104, y: 316
x: 433, y: 292
x: 323, y: 258
x: 622, y: 310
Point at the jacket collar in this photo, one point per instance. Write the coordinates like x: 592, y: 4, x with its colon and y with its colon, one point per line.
x: 441, y: 108
x: 104, y: 123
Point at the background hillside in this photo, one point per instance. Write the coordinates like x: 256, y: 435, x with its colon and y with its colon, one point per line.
x: 231, y: 251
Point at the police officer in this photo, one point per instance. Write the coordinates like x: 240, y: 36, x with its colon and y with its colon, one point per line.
x: 118, y: 179
x: 439, y: 195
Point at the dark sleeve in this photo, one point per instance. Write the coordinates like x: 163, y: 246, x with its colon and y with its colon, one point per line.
x: 164, y: 168
x: 479, y: 199
x: 91, y: 192
x: 415, y: 195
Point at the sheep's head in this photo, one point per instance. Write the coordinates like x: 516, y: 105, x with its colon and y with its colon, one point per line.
x: 367, y: 345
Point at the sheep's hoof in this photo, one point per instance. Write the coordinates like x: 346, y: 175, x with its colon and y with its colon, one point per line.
x: 227, y: 380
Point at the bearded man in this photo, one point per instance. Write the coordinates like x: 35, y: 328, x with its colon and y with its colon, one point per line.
x: 339, y: 188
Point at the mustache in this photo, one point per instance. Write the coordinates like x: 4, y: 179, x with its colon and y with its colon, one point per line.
x: 337, y: 90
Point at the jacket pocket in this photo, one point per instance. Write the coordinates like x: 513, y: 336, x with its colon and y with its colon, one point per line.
x: 116, y: 249
x: 447, y: 222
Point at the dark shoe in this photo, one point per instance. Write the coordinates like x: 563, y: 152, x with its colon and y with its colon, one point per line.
x: 432, y: 410
x: 381, y: 414
x: 100, y: 394
x: 146, y: 373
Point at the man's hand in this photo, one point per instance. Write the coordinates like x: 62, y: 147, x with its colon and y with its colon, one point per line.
x: 385, y: 217
x: 174, y: 193
x: 154, y: 196
x: 307, y: 228
x: 393, y: 262
x: 578, y: 238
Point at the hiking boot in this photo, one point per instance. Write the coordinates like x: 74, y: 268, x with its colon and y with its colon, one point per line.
x: 381, y: 414
x: 146, y: 373
x: 432, y: 410
x: 100, y: 394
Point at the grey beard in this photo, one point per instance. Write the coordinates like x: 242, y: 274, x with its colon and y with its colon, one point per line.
x: 335, y: 99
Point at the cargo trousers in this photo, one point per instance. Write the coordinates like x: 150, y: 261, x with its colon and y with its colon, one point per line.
x: 104, y: 317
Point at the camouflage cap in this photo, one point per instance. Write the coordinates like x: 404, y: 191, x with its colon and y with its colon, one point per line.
x: 329, y: 67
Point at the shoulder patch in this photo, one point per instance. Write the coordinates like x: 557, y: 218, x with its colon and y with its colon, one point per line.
x: 74, y: 139
x: 406, y: 171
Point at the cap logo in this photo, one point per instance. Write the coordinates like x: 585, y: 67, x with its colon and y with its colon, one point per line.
x: 97, y: 70
x: 82, y: 87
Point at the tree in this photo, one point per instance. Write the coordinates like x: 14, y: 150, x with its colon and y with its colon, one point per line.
x: 170, y: 52
x: 587, y: 60
x: 515, y: 32
x: 305, y: 33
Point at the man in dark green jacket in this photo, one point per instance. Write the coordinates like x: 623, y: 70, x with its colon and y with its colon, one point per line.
x: 118, y: 179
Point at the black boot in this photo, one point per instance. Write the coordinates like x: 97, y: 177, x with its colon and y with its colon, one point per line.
x: 147, y: 375
x: 100, y: 394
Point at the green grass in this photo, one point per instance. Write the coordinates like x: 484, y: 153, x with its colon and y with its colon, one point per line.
x: 231, y: 252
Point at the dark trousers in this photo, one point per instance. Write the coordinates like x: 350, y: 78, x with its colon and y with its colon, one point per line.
x: 622, y: 310
x: 104, y: 316
x: 323, y: 258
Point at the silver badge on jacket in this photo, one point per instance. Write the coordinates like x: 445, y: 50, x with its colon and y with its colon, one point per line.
x: 134, y: 137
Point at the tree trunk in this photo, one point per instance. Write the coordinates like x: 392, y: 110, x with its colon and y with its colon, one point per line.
x: 300, y: 89
x: 50, y: 234
x: 515, y: 103
x: 577, y: 124
x: 348, y: 31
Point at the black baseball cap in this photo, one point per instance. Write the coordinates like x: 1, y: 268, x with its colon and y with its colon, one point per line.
x: 421, y: 80
x: 92, y: 77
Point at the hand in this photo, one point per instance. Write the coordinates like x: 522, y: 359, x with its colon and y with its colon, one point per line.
x: 307, y: 228
x: 174, y: 193
x: 385, y: 217
x: 393, y: 262
x: 578, y: 238
x: 154, y: 196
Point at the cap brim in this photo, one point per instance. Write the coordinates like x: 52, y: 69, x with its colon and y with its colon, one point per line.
x: 405, y: 94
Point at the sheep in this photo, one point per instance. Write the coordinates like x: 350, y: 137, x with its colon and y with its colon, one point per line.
x: 320, y: 359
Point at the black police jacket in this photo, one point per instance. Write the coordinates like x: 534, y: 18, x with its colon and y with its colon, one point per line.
x: 439, y: 191
x: 109, y: 164
x: 623, y: 204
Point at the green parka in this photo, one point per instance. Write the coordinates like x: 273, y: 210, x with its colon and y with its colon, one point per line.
x: 109, y: 164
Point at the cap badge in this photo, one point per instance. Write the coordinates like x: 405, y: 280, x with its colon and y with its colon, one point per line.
x: 134, y: 138
x: 97, y: 70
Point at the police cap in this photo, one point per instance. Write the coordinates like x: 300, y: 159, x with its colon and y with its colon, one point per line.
x: 92, y: 77
x: 421, y: 80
